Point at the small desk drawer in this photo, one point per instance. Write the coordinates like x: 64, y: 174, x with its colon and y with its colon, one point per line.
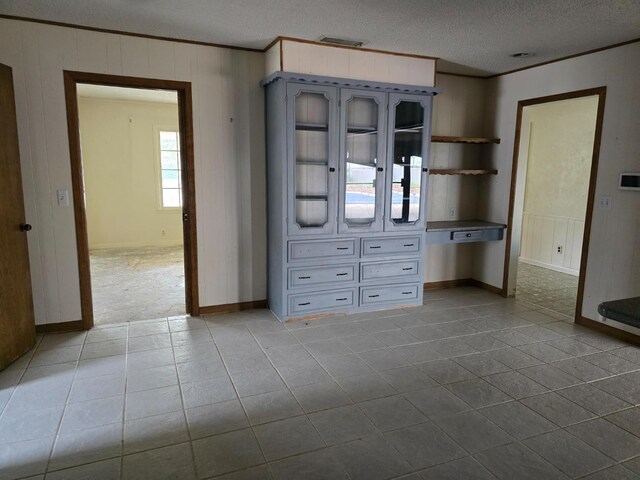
x: 466, y: 236
x: 371, y: 295
x: 312, y: 249
x: 404, y: 269
x: 391, y: 246
x: 310, y: 302
x: 308, y: 276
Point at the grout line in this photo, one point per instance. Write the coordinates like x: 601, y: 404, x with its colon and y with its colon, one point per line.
x: 245, y: 323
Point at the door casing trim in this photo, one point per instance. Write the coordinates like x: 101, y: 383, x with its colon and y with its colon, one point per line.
x: 601, y: 92
x: 185, y: 115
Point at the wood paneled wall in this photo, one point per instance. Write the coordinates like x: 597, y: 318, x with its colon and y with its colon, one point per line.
x: 228, y: 111
x: 458, y: 111
x: 613, y: 266
x: 296, y: 56
x: 543, y: 234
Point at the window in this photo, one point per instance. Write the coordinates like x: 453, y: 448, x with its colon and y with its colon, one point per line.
x: 170, y: 174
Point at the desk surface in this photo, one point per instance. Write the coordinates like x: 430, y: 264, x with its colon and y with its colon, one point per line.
x: 456, y: 225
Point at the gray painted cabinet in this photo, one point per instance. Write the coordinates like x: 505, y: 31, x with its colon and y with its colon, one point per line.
x: 346, y: 182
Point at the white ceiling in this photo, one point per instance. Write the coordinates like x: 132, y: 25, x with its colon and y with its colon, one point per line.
x: 470, y: 36
x: 130, y: 94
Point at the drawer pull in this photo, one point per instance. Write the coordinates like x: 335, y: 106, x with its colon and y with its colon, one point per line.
x: 408, y: 244
x: 468, y: 235
x: 341, y: 299
x: 341, y: 274
x: 342, y: 248
x: 408, y: 268
x: 374, y: 246
x: 303, y: 304
x: 407, y: 293
x: 373, y: 296
x: 303, y: 278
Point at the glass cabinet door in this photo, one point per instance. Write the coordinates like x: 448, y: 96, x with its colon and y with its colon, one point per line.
x: 312, y: 117
x: 409, y: 117
x: 362, y: 141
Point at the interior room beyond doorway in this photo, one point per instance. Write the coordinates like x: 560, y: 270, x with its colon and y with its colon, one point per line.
x: 132, y: 176
x: 556, y: 149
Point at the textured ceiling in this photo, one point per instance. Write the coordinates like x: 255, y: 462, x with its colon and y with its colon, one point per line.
x: 132, y: 94
x: 470, y: 36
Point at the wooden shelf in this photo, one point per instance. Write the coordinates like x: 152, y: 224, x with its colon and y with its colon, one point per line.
x: 477, y: 140
x: 463, y: 171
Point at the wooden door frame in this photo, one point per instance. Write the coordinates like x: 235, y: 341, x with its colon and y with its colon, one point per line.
x: 601, y: 93
x: 185, y: 114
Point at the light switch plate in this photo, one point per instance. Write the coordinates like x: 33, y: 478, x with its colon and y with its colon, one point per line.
x: 63, y: 198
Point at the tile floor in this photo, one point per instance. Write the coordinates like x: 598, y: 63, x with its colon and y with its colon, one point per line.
x: 469, y: 386
x: 121, y: 280
x: 547, y: 288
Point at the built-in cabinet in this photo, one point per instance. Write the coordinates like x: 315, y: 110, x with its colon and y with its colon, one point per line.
x: 347, y: 180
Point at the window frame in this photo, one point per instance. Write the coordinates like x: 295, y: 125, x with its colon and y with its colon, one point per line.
x: 157, y: 129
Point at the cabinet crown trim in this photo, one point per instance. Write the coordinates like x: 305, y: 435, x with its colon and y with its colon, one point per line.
x: 349, y: 82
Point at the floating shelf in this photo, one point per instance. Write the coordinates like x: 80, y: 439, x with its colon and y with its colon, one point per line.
x: 462, y: 171
x: 447, y: 139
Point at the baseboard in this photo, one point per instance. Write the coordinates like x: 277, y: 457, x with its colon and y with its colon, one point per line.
x: 609, y: 330
x: 112, y: 246
x: 462, y: 282
x: 60, y: 327
x: 232, y: 307
x: 487, y: 287
x: 549, y: 266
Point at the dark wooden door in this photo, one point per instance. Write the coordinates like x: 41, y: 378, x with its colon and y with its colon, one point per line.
x: 17, y: 325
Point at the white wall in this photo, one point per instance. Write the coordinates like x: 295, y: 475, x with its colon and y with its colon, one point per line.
x: 120, y: 158
x: 556, y: 148
x: 229, y: 155
x: 559, y: 158
x: 613, y: 266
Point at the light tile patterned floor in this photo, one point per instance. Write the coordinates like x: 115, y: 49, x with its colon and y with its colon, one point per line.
x: 470, y: 385
x: 130, y: 284
x: 547, y: 288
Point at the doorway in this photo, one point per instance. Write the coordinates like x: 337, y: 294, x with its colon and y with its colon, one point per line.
x: 132, y: 169
x: 553, y: 183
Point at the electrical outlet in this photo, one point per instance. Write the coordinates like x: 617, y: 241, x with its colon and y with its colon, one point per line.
x: 452, y: 213
x: 604, y: 203
x: 559, y: 248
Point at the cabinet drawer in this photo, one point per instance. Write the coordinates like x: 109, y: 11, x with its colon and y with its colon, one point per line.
x: 303, y: 276
x: 309, y: 302
x: 391, y: 246
x: 309, y: 250
x: 382, y: 294
x: 466, y: 236
x: 409, y: 269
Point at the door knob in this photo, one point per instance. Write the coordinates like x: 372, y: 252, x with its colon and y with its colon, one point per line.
x: 25, y: 227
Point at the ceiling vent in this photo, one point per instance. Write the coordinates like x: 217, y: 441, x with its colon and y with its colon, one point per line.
x: 340, y: 41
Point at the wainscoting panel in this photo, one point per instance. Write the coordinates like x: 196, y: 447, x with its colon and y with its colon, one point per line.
x: 552, y: 242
